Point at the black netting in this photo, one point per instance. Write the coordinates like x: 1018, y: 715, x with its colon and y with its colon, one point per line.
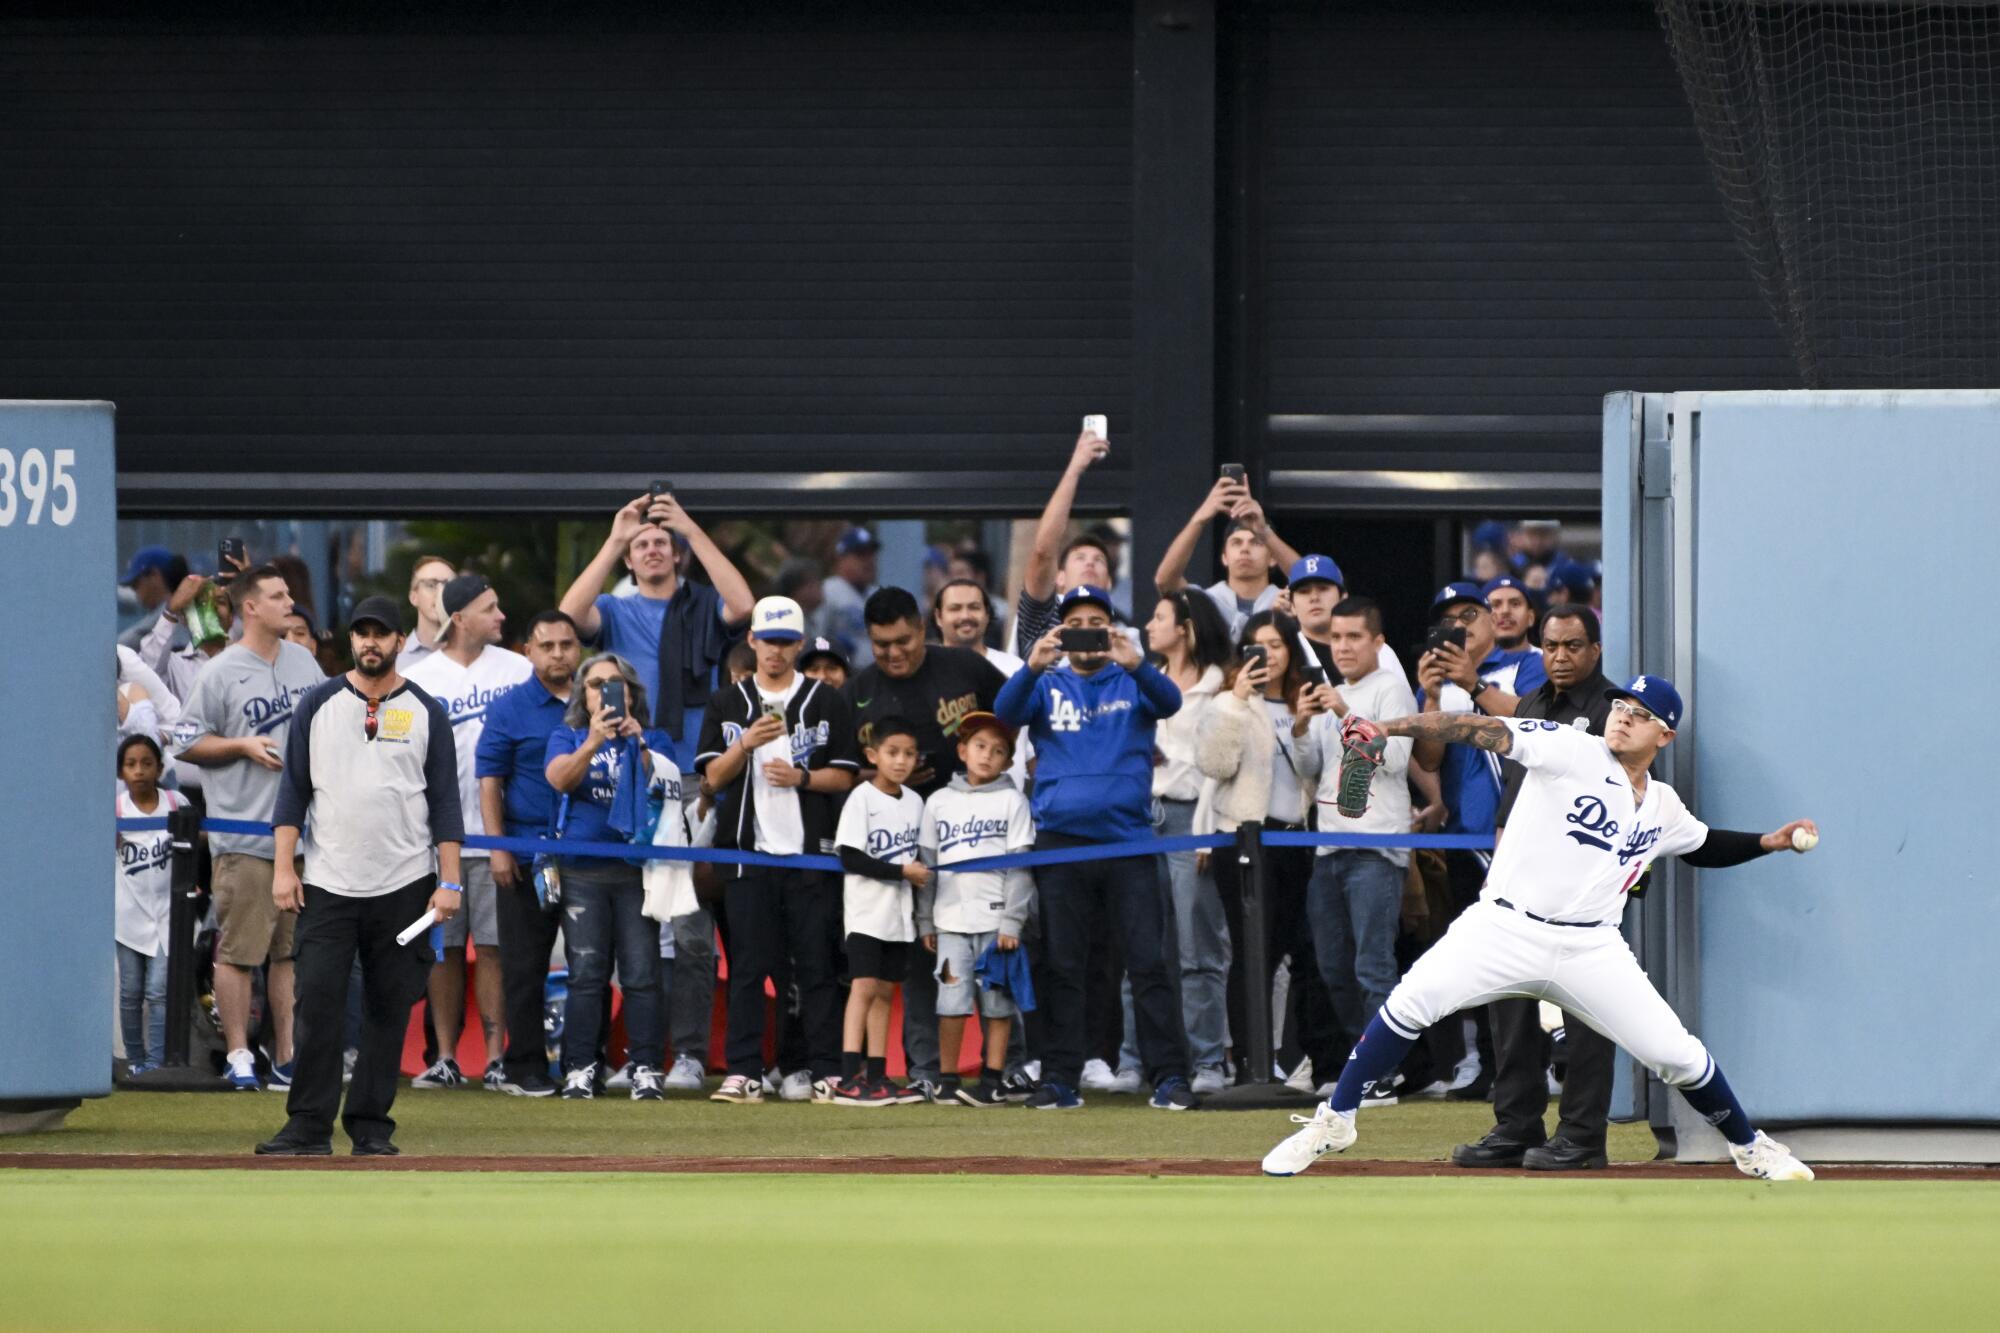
x: 1857, y: 148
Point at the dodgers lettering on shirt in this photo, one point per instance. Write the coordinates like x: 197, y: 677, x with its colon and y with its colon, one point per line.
x: 884, y: 827
x: 1577, y: 841
x: 465, y: 692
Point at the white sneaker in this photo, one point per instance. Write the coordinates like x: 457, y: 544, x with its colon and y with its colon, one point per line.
x: 1127, y: 1082
x: 769, y: 1083
x: 1326, y: 1130
x: 686, y: 1075
x: 1207, y: 1079
x: 741, y: 1089
x: 1466, y: 1072
x: 823, y: 1090
x: 1768, y: 1159
x: 797, y: 1087
x: 1301, y: 1079
x: 623, y: 1078
x: 1097, y: 1076
x: 646, y: 1084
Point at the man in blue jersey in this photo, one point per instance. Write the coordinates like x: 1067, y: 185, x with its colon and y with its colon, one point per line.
x: 1092, y: 721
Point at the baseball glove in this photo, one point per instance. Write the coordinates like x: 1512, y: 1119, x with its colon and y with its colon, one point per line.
x: 1362, y: 746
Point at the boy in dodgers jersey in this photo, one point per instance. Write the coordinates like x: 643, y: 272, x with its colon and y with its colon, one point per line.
x: 981, y: 813
x: 877, y: 843
x: 1587, y: 823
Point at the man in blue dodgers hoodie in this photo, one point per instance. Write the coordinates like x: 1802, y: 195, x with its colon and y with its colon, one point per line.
x: 1092, y: 722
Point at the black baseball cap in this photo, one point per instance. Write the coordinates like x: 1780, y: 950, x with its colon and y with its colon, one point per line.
x: 378, y: 609
x: 458, y: 594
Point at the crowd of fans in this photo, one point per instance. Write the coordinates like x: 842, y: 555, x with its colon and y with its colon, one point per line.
x: 904, y: 733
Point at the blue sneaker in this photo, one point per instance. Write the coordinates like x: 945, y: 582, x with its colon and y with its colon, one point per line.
x: 281, y: 1076
x: 242, y: 1073
x: 1173, y: 1094
x: 1055, y: 1097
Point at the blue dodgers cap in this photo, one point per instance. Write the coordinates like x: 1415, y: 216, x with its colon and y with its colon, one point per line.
x: 1573, y: 576
x: 1082, y: 593
x: 1490, y: 535
x: 1656, y: 695
x: 147, y: 558
x: 1315, y: 569
x: 1508, y: 581
x: 778, y: 619
x: 856, y: 541
x: 1457, y: 592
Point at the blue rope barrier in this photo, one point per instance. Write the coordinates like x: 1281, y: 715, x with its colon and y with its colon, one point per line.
x: 621, y: 851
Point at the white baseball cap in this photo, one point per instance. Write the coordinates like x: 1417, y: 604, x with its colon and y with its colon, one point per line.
x: 778, y: 619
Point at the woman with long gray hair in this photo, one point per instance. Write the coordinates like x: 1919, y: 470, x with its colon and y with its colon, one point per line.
x: 601, y: 767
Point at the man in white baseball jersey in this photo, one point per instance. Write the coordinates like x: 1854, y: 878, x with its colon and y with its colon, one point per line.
x: 468, y: 671
x: 1587, y: 823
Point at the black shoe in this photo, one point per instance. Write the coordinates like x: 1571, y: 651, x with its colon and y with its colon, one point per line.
x: 1382, y: 1092
x: 1559, y: 1154
x: 285, y: 1143
x: 376, y: 1148
x: 1495, y: 1150
x: 527, y: 1085
x: 988, y: 1092
x: 1479, y: 1090
x: 1018, y: 1087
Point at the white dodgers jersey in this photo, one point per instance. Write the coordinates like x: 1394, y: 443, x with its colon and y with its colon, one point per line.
x: 1576, y: 843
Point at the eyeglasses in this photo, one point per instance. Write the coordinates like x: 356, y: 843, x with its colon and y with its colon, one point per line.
x: 1574, y: 647
x: 370, y: 723
x: 1468, y: 617
x: 428, y: 584
x: 1632, y: 710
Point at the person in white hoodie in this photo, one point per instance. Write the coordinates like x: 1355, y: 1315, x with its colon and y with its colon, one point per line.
x: 1248, y: 745
x: 1187, y: 634
x: 1354, y: 899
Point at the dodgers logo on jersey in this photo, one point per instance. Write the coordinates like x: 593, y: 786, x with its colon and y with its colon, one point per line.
x: 1592, y: 818
x: 1063, y: 714
x: 886, y: 844
x: 1637, y: 844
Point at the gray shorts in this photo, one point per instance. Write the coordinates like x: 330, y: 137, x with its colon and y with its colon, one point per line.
x: 956, y: 997
x: 478, y: 911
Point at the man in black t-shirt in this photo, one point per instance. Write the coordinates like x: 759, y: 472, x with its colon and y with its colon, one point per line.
x: 933, y: 687
x: 927, y: 684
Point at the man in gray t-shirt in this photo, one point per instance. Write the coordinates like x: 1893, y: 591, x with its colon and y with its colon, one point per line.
x: 234, y: 725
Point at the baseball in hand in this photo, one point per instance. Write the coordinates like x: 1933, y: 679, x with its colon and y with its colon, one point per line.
x: 1804, y: 840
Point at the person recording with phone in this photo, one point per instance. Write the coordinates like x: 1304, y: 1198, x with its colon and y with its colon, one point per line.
x: 674, y: 631
x: 1248, y: 551
x: 1093, y: 722
x: 778, y: 756
x: 1249, y: 745
x: 600, y: 765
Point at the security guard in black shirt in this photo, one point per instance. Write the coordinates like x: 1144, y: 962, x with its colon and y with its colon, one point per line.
x: 1574, y: 695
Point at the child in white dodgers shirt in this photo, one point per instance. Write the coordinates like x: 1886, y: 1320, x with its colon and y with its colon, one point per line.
x: 877, y: 843
x: 144, y: 902
x: 980, y: 814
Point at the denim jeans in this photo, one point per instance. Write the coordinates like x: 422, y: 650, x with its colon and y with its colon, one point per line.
x: 142, y: 1005
x: 601, y: 921
x: 1203, y: 933
x: 1354, y: 902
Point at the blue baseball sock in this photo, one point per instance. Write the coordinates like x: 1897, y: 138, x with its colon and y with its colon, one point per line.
x: 1715, y: 1101
x: 1376, y: 1055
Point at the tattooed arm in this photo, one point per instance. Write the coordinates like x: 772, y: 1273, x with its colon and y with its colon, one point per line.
x: 1487, y: 733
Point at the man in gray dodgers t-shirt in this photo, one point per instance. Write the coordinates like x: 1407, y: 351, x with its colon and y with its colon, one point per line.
x: 234, y: 726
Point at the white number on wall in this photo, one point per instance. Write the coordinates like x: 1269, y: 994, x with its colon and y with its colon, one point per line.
x: 36, y: 484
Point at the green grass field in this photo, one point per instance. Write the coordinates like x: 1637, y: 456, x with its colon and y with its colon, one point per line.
x: 224, y: 1249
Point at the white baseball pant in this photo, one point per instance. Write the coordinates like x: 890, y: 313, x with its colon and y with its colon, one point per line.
x: 1492, y: 952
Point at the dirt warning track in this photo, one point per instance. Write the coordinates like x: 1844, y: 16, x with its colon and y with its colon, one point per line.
x: 928, y: 1166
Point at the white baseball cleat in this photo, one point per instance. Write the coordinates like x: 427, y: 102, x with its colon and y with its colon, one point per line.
x: 1326, y: 1130
x: 1768, y: 1159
